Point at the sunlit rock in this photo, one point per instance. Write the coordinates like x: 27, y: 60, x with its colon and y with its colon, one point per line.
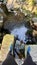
x: 35, y: 20
x: 7, y: 41
x: 34, y: 32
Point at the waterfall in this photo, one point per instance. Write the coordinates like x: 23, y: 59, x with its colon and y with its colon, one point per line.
x: 20, y: 31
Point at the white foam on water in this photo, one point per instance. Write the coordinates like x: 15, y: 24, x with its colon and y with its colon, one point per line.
x: 20, y: 31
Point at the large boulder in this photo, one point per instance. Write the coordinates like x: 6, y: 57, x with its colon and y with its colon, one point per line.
x: 7, y: 40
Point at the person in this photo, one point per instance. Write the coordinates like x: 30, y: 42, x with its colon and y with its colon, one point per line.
x: 28, y: 60
x: 10, y: 58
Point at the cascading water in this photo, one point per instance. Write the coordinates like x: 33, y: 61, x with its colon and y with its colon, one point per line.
x: 20, y: 32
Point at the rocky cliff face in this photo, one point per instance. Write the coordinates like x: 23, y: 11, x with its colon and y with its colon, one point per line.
x: 14, y: 20
x: 20, y: 13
